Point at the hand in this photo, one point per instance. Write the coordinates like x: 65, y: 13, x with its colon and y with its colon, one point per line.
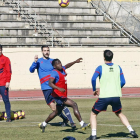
x: 95, y: 93
x: 79, y: 60
x: 36, y: 58
x: 7, y: 85
x: 61, y: 89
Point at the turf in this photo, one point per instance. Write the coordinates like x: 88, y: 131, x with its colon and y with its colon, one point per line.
x: 109, y: 126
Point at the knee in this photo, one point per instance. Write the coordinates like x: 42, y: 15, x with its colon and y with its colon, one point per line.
x: 53, y: 109
x: 118, y: 113
x: 6, y: 101
x: 93, y: 114
x: 75, y: 105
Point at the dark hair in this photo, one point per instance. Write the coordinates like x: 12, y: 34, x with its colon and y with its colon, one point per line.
x: 108, y: 55
x: 44, y: 46
x: 53, y: 62
x: 0, y: 46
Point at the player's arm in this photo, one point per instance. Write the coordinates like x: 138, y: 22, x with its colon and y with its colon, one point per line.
x: 93, y: 80
x: 51, y: 84
x: 122, y: 78
x: 8, y: 72
x: 72, y: 63
x: 34, y: 64
x: 54, y: 78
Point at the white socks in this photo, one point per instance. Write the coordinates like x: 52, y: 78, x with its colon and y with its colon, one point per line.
x: 93, y: 132
x: 81, y: 123
x: 130, y: 128
x: 44, y: 123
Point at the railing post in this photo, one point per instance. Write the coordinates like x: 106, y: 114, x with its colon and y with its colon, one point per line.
x: 35, y: 22
x: 108, y: 7
x: 117, y: 13
x: 18, y: 10
x: 126, y: 19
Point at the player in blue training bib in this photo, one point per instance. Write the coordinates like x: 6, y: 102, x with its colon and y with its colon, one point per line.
x: 44, y: 68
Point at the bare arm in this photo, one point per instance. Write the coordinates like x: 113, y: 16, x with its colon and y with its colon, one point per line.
x: 51, y: 84
x: 72, y: 63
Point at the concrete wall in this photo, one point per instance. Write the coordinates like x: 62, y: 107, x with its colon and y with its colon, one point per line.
x: 79, y: 75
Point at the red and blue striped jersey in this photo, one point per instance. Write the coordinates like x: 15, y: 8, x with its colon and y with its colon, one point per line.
x: 44, y: 68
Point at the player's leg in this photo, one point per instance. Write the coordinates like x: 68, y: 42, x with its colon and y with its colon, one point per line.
x: 54, y: 113
x: 50, y: 117
x: 125, y: 121
x: 68, y: 114
x: 70, y: 103
x: 116, y: 107
x: 100, y: 105
x: 51, y: 103
x: 5, y: 96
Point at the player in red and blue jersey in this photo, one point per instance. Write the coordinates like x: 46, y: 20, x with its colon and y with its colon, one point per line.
x: 59, y: 84
x: 44, y: 68
x: 5, y: 78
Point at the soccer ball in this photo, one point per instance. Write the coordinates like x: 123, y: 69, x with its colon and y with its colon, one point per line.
x: 14, y: 116
x: 21, y: 114
x: 2, y: 115
x: 63, y: 3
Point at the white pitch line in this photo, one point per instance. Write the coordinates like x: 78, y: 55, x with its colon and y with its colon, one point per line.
x: 19, y: 126
x: 114, y: 138
x: 117, y: 125
x: 58, y: 122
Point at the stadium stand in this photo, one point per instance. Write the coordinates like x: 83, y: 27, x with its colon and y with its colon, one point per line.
x: 34, y: 23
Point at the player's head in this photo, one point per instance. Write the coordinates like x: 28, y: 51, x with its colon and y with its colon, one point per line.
x: 108, y: 55
x: 0, y: 49
x: 45, y: 51
x: 56, y: 63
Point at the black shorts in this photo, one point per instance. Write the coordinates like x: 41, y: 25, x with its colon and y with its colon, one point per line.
x: 102, y: 103
x: 48, y: 97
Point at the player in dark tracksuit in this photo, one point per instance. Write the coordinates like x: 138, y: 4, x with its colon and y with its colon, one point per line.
x: 5, y: 77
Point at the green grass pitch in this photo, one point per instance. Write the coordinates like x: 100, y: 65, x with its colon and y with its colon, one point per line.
x: 109, y: 126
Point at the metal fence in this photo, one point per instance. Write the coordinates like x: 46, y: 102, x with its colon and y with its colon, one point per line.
x: 121, y: 18
x: 37, y: 22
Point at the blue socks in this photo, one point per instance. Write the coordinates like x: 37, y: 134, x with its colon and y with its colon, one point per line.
x: 63, y: 116
x: 68, y: 114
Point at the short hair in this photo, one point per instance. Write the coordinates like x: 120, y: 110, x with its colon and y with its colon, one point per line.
x: 53, y: 62
x: 44, y: 46
x: 0, y: 46
x: 108, y: 55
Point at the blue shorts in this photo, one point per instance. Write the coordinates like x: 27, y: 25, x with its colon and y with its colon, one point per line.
x: 48, y: 97
x: 60, y: 101
x: 102, y: 103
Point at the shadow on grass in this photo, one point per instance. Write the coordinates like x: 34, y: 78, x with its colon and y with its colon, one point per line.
x: 73, y: 130
x: 119, y: 134
x: 68, y: 129
x: 56, y: 124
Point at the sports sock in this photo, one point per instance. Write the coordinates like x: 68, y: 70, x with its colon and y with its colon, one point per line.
x: 93, y: 132
x: 44, y: 123
x: 63, y: 116
x: 81, y: 123
x: 68, y: 114
x: 130, y: 128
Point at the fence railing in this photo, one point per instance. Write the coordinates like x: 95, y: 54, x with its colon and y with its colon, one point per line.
x: 37, y: 22
x: 121, y: 18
